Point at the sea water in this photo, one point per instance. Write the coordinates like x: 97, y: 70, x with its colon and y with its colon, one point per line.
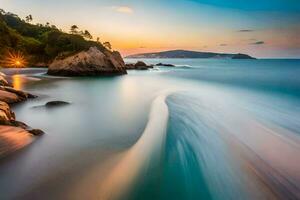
x: 205, y: 129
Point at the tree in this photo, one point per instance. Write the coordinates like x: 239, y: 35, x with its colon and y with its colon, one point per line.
x: 28, y: 18
x: 47, y: 24
x: 53, y: 27
x: 2, y: 12
x: 74, y: 29
x: 98, y: 39
x: 107, y: 45
x: 87, y: 35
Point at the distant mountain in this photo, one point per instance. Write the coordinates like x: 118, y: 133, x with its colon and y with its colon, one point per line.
x: 189, y: 54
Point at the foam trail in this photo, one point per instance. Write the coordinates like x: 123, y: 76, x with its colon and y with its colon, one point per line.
x: 137, y: 158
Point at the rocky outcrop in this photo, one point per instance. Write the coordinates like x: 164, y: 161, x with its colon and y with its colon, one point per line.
x: 13, y: 134
x: 139, y: 65
x: 89, y: 63
x: 11, y: 95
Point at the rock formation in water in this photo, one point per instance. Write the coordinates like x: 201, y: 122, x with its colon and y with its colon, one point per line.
x: 13, y: 134
x: 92, y: 62
x: 165, y: 65
x: 139, y: 65
x: 52, y: 104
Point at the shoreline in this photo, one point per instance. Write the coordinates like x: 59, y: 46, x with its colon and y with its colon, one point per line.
x: 14, y: 135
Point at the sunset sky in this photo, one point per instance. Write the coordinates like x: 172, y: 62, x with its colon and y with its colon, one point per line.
x: 261, y: 28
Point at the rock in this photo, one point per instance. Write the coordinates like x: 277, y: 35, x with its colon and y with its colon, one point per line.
x: 51, y: 104
x: 140, y: 65
x: 89, y: 63
x: 13, y: 139
x: 19, y: 124
x: 13, y: 134
x: 10, y: 97
x: 165, y: 65
x: 129, y: 66
x: 36, y: 132
x: 6, y: 114
x: 3, y: 81
x: 20, y: 93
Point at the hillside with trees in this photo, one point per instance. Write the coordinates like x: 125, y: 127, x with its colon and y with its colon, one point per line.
x: 41, y: 43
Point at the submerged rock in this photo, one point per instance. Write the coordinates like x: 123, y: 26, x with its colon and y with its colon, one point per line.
x: 164, y: 65
x: 89, y: 63
x: 51, y: 104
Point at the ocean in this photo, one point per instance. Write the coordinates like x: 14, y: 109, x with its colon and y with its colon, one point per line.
x: 206, y: 129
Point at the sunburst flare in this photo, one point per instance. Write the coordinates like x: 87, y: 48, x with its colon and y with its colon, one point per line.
x: 14, y: 59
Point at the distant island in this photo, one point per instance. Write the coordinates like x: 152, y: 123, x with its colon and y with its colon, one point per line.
x: 190, y: 54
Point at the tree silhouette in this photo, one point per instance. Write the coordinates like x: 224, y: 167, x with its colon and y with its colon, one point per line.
x: 107, y: 45
x: 87, y: 35
x: 28, y: 18
x: 2, y: 12
x: 74, y: 29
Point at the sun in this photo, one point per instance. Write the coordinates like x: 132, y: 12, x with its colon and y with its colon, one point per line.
x: 14, y: 59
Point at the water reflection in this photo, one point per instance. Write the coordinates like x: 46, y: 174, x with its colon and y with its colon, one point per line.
x: 17, y: 81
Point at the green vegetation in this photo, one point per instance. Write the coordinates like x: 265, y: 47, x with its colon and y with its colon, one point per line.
x: 41, y: 43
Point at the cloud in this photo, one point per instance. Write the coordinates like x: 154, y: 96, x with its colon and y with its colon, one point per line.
x: 258, y: 43
x: 245, y: 30
x: 123, y: 9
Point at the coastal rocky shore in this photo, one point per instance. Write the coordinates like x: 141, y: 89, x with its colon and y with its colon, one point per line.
x: 13, y: 134
x: 92, y: 62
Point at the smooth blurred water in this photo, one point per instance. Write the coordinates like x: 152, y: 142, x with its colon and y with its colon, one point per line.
x: 206, y: 129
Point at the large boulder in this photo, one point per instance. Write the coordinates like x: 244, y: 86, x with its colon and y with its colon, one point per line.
x: 89, y: 63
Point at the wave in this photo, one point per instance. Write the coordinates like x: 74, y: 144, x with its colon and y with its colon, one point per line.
x: 214, y: 145
x: 140, y: 156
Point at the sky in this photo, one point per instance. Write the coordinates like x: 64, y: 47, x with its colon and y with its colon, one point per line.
x: 261, y: 28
